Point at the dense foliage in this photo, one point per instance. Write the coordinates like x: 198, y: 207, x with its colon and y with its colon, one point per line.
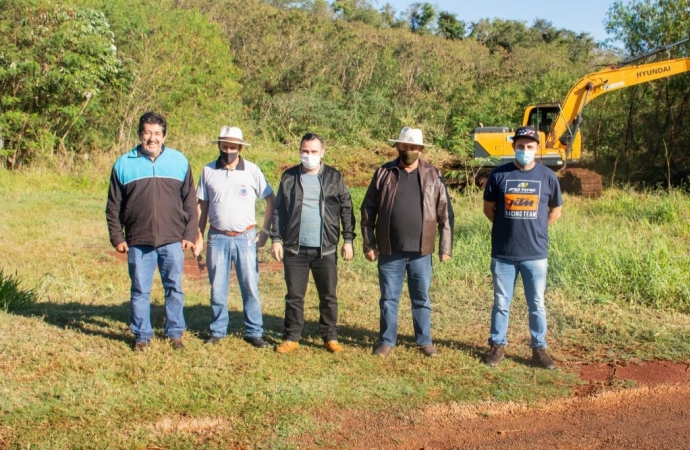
x: 345, y: 69
x: 55, y: 60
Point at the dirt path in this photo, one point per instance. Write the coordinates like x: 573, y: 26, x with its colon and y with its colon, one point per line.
x: 655, y: 415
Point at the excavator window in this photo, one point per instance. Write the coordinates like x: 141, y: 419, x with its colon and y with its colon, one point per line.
x: 543, y: 118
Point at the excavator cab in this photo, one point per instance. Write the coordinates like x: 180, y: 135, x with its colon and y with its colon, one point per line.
x: 542, y: 118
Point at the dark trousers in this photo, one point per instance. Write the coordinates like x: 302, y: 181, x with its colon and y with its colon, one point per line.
x: 325, y: 272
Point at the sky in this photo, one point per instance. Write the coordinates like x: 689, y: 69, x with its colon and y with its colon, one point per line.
x: 575, y: 15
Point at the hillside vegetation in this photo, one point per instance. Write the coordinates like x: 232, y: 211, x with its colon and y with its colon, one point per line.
x: 75, y: 75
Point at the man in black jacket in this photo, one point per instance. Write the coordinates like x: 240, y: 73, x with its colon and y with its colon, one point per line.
x: 405, y: 204
x: 151, y: 214
x: 312, y: 203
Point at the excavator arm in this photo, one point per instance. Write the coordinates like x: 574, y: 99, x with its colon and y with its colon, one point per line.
x: 595, y: 84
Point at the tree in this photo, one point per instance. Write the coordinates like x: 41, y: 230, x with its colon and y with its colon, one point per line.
x: 55, y: 64
x: 357, y: 11
x: 449, y: 26
x: 643, y: 25
x: 657, y: 120
x: 420, y: 17
x: 506, y: 34
x: 389, y: 19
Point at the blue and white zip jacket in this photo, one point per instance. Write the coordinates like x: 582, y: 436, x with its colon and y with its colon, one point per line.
x: 151, y: 202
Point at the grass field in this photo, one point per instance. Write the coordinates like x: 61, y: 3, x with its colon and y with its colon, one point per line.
x: 617, y: 290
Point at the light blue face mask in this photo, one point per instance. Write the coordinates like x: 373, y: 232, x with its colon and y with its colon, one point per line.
x: 525, y: 157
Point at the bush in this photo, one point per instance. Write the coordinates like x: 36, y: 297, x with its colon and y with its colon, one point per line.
x: 12, y: 296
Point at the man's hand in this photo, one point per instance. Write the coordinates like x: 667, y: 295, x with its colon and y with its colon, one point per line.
x: 261, y: 238
x: 444, y: 257
x: 122, y: 247
x: 347, y: 251
x: 372, y: 255
x: 198, y: 246
x: 186, y: 245
x: 277, y: 251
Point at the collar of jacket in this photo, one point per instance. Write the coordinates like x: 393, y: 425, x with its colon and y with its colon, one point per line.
x: 142, y: 154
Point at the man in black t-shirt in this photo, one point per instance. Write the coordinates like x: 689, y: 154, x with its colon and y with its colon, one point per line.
x: 521, y: 199
x: 404, y: 205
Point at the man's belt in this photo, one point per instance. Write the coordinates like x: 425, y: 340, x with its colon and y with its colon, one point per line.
x: 232, y: 233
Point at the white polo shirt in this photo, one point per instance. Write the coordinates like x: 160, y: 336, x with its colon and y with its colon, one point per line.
x: 231, y: 194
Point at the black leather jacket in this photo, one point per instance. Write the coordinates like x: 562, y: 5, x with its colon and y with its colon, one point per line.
x: 336, y: 209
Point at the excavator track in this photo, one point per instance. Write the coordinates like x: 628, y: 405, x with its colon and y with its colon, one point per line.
x: 582, y: 182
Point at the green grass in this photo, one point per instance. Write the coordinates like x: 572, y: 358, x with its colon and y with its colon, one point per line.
x: 68, y: 378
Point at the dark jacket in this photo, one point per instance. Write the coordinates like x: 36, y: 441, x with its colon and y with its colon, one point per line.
x: 377, y: 208
x: 151, y: 203
x: 336, y: 209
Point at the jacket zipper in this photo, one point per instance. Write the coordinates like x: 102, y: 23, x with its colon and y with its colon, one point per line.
x: 155, y: 206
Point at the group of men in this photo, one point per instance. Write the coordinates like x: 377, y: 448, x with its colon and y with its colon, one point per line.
x: 154, y: 214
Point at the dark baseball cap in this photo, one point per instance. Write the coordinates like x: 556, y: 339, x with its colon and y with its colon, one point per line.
x: 526, y: 132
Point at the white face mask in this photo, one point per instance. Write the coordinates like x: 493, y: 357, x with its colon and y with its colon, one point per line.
x: 310, y: 162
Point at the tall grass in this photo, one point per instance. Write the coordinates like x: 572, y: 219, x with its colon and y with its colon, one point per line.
x: 628, y: 248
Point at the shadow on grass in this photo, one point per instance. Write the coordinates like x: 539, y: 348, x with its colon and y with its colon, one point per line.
x: 112, y: 322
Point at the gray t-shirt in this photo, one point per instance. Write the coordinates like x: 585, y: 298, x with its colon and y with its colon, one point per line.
x: 232, y: 194
x: 310, y: 226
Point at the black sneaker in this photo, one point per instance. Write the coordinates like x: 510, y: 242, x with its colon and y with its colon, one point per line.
x: 540, y: 357
x: 495, y: 355
x: 257, y: 342
x: 177, y: 343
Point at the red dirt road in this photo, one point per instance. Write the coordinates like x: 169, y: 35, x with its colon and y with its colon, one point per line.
x: 652, y: 416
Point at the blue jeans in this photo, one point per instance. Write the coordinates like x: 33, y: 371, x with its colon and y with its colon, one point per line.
x: 142, y: 261
x: 222, y: 252
x: 392, y: 269
x: 505, y: 275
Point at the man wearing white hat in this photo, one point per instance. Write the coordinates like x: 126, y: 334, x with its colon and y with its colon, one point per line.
x: 226, y: 194
x: 404, y: 205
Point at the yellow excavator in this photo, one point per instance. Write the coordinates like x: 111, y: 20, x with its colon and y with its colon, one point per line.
x: 559, y: 124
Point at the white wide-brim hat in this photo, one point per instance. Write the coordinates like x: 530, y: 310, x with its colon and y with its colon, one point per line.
x: 410, y: 136
x: 231, y: 134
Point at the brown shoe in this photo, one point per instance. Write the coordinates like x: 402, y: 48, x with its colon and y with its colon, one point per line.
x: 383, y: 350
x: 495, y: 355
x: 141, y: 346
x: 428, y: 350
x: 333, y: 346
x: 540, y: 357
x: 287, y: 346
x: 177, y: 343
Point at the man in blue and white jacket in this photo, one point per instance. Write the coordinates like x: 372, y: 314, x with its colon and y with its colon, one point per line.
x: 152, y: 216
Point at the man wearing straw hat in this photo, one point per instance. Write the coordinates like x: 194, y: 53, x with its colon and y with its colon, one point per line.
x: 227, y: 193
x: 405, y: 204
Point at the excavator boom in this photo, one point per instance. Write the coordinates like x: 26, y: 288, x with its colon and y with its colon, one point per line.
x: 608, y: 80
